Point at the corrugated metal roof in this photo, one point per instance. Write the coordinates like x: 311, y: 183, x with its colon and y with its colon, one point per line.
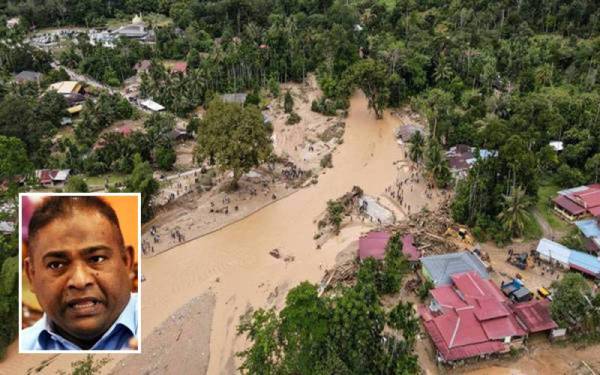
x: 7, y: 227
x: 61, y: 175
x: 466, y: 351
x: 442, y: 267
x: 568, y: 205
x: 373, y: 245
x: 585, y: 263
x: 589, y: 228
x: 409, y: 249
x: 152, y: 105
x: 535, y: 315
x: 553, y: 250
x: 239, y: 98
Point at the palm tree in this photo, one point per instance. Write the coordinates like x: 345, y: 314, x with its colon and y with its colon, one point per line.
x: 437, y: 164
x: 416, y: 147
x: 443, y: 71
x: 514, y: 214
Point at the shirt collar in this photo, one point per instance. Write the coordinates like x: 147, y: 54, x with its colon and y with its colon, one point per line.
x: 127, y: 319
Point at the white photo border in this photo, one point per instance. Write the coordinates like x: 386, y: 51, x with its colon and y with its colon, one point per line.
x: 139, y: 271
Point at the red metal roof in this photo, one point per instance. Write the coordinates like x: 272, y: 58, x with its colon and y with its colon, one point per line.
x: 447, y: 298
x: 179, y: 67
x: 409, y: 249
x: 475, y: 318
x: 490, y: 309
x: 568, y: 205
x: 373, y: 245
x: 459, y: 328
x: 595, y: 211
x: 535, y: 315
x: 46, y: 175
x: 498, y: 329
x: 466, y: 351
x: 590, y: 197
x: 471, y: 285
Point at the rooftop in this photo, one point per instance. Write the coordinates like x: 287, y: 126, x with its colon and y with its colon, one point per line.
x: 373, y: 245
x: 28, y: 76
x: 409, y: 249
x: 535, y: 315
x: 442, y: 267
x: 474, y: 319
x: 239, y: 98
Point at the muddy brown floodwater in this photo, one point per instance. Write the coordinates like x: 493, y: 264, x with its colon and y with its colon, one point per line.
x: 234, y: 263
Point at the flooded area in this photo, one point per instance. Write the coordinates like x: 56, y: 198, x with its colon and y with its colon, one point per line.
x: 234, y: 264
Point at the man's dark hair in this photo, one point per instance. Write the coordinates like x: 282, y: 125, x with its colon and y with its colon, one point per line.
x: 57, y: 207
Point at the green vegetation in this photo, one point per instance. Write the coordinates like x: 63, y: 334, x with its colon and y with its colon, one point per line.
x: 576, y: 307
x: 76, y: 184
x: 545, y: 207
x: 343, y: 333
x: 9, y: 303
x: 233, y: 138
x: 142, y: 181
x: 109, y: 65
x: 87, y: 366
x: 436, y: 165
x: 417, y: 144
x: 514, y: 215
x: 288, y: 103
x: 335, y: 215
x: 326, y: 161
x: 573, y: 239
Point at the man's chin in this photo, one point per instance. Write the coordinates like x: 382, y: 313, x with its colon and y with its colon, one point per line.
x: 89, y: 328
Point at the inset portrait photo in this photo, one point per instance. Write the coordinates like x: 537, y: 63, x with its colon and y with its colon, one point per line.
x: 79, y: 275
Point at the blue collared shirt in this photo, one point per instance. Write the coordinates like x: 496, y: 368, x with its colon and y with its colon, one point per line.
x: 41, y: 336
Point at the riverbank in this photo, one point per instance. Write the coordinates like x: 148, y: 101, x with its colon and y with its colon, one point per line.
x: 234, y: 263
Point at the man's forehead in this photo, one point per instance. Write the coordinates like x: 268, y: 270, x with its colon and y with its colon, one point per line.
x: 74, y: 232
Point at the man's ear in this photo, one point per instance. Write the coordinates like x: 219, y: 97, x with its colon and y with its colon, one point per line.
x: 128, y: 257
x: 28, y: 263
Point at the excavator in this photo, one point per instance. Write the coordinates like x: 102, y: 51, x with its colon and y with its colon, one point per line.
x: 460, y: 233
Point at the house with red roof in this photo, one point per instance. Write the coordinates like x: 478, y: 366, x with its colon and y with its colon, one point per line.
x: 578, y: 202
x: 373, y: 245
x: 179, y: 67
x: 535, y: 315
x: 409, y: 249
x: 472, y: 318
x: 52, y: 177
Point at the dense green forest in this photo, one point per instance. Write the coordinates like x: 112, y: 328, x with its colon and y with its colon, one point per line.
x: 508, y: 76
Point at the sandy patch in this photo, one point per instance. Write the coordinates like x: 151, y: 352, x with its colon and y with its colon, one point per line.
x: 180, y: 345
x: 302, y: 143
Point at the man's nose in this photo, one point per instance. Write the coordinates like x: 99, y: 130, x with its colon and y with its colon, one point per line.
x: 81, y: 277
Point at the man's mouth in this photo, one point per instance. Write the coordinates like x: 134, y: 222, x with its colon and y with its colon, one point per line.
x: 85, y: 306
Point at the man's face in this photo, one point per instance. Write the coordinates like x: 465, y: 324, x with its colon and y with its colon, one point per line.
x: 80, y: 274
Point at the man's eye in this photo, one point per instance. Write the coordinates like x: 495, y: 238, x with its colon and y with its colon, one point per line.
x: 55, y: 265
x: 97, y: 259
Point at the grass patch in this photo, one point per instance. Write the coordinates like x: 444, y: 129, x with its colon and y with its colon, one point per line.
x: 544, y: 205
x: 101, y: 179
x: 532, y: 230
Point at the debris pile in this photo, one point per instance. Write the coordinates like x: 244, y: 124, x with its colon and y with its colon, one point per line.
x: 429, y: 230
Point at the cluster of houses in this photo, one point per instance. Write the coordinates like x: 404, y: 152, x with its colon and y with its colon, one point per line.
x: 136, y: 30
x: 461, y: 159
x: 469, y: 316
x: 581, y: 205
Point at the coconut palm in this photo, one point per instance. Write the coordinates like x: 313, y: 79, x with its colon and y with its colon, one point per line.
x: 437, y: 165
x: 416, y: 147
x: 514, y: 214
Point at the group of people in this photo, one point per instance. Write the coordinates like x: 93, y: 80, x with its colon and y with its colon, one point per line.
x: 291, y: 172
x: 176, y: 235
